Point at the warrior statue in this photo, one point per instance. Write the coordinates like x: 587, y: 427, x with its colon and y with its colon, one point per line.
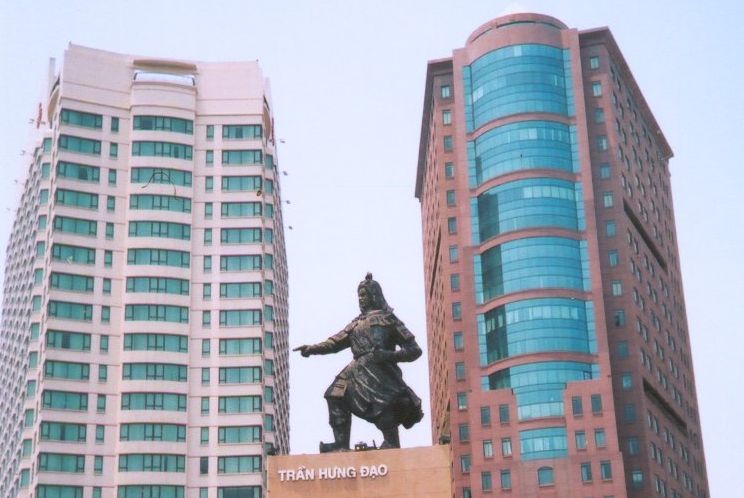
x: 371, y: 386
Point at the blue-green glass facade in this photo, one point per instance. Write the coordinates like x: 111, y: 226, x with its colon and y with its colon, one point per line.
x: 531, y: 263
x: 535, y: 326
x: 520, y: 146
x: 538, y: 386
x: 529, y: 203
x: 517, y: 79
x: 550, y: 442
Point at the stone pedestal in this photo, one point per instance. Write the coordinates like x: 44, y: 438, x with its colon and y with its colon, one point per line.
x: 396, y: 473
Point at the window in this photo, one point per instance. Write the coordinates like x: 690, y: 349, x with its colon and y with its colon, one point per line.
x: 449, y: 170
x: 156, y: 313
x: 231, y: 157
x: 610, y: 228
x: 76, y: 198
x: 79, y: 118
x: 209, y: 158
x: 112, y: 177
x: 204, y: 435
x: 164, y: 123
x: 114, y: 124
x: 156, y: 342
x: 162, y: 149
x: 545, y: 476
x: 613, y: 258
x: 457, y: 341
x: 453, y: 254
x: 110, y: 203
x: 160, y: 229
x: 101, y: 403
x: 459, y: 370
x: 446, y: 117
x: 208, y: 210
x: 98, y: 464
x: 629, y: 413
x: 61, y: 462
x: 154, y: 371
x: 600, y: 441
x: 462, y: 401
x: 239, y: 375
x: 447, y: 143
x: 205, y: 376
x: 108, y: 258
x: 456, y: 311
x: 455, y: 282
x: 594, y: 62
x: 576, y: 406
x: 102, y: 373
x: 113, y: 150
x: 504, y: 414
x: 109, y: 231
x: 596, y: 401
x: 619, y: 318
x: 161, y: 176
x: 626, y: 381
x: 506, y: 479
x: 607, y: 199
x: 239, y: 404
x: 238, y: 464
x: 247, y: 346
x: 604, y: 171
x: 207, y: 264
x: 580, y: 437
x: 151, y: 462
x: 596, y: 89
x: 203, y: 465
x: 463, y: 432
x: 210, y: 132
x: 450, y: 197
x: 616, y: 287
x: 602, y: 142
x: 445, y: 91
x: 207, y: 236
x: 78, y: 172
x: 465, y: 463
x: 487, y: 448
x: 586, y: 472
x: 486, y: 483
x: 636, y: 478
x: 506, y: 447
x: 105, y: 314
x: 485, y: 415
x: 160, y: 203
x: 605, y: 470
x: 153, y: 401
x: 599, y: 115
x: 208, y: 183
x: 242, y: 132
x: 100, y: 433
x: 634, y: 447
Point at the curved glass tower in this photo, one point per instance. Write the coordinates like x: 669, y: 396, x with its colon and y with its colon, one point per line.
x: 524, y: 183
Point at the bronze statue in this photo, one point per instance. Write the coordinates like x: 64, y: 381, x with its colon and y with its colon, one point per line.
x: 371, y: 386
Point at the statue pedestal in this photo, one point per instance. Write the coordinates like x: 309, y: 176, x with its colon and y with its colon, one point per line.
x: 421, y: 472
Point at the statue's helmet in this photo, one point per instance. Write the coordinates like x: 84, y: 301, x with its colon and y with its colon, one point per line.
x: 375, y: 292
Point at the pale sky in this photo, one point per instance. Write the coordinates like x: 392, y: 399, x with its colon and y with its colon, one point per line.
x: 347, y: 82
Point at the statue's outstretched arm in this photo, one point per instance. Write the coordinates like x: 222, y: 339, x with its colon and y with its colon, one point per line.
x: 333, y: 344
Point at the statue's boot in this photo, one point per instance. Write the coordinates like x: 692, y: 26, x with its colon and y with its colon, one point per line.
x: 341, y: 434
x: 392, y: 439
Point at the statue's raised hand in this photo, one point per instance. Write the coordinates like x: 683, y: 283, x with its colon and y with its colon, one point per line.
x: 304, y: 350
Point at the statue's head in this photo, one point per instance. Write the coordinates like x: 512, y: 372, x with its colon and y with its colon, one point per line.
x: 370, y: 295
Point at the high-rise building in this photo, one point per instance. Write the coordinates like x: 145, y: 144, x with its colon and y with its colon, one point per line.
x: 144, y: 332
x: 558, y: 343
